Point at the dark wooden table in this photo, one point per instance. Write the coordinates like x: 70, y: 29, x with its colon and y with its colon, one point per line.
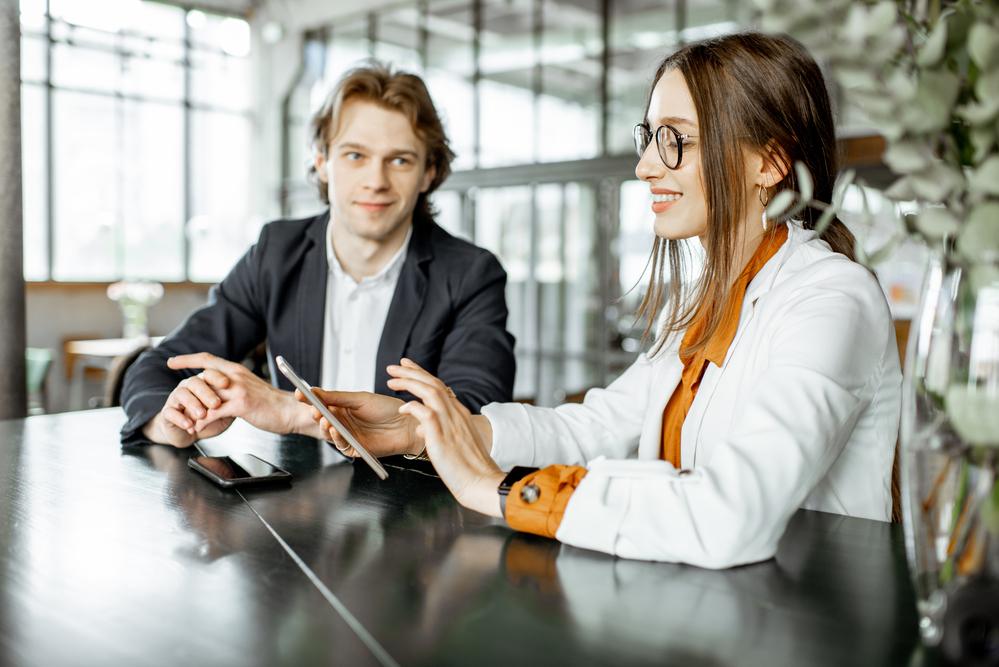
x: 125, y: 556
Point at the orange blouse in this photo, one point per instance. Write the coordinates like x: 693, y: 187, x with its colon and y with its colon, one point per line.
x: 715, y: 348
x: 557, y: 483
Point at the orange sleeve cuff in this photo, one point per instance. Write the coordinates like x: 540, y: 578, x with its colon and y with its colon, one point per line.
x: 543, y: 516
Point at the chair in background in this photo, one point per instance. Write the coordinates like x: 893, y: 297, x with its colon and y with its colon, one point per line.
x: 38, y: 362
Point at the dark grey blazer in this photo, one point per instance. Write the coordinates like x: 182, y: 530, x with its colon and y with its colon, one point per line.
x: 448, y: 314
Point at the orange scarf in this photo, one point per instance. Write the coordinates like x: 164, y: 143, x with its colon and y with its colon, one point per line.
x: 714, y: 350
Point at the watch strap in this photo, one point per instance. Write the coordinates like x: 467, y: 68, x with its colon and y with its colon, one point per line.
x: 516, y: 474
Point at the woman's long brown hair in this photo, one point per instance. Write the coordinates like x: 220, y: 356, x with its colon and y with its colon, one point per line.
x: 752, y: 92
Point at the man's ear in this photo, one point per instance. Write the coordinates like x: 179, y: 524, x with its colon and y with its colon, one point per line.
x: 428, y: 177
x: 320, y: 164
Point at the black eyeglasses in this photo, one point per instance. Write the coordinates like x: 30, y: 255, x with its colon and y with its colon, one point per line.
x: 669, y: 142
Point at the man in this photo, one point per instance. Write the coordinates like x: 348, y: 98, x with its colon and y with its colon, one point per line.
x: 343, y: 294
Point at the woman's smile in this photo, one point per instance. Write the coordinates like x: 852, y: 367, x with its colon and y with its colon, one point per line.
x: 662, y: 200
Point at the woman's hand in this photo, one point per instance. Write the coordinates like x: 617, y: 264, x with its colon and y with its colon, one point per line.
x: 453, y: 442
x: 374, y: 420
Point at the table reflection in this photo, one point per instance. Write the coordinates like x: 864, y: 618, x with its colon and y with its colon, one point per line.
x: 221, y: 536
x: 767, y: 613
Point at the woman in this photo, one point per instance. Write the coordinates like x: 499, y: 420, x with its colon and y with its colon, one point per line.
x: 773, y: 384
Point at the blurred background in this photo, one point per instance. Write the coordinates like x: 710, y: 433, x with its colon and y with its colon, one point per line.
x: 158, y: 137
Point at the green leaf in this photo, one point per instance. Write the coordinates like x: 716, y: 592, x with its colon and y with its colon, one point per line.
x: 985, y: 179
x: 881, y: 18
x: 930, y: 111
x: 892, y: 130
x: 856, y: 24
x: 957, y: 31
x: 978, y: 113
x: 979, y: 236
x: 882, y: 253
x: 984, y: 275
x: 932, y: 51
x: 876, y: 105
x: 941, y: 83
x: 806, y: 187
x: 858, y: 78
x: 843, y: 181
x: 901, y: 190
x: 825, y: 219
x: 983, y: 45
x: 937, y: 222
x: 974, y: 412
x: 779, y: 205
x: 884, y: 47
x: 936, y: 183
x: 861, y: 254
x: 908, y: 156
x: 987, y: 87
x: 983, y: 138
x: 902, y: 85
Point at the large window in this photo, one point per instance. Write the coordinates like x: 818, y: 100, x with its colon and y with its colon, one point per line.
x: 136, y: 129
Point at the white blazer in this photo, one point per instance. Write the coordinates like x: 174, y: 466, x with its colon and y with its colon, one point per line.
x: 803, y: 413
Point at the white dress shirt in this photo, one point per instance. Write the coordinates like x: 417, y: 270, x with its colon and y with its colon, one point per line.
x: 802, y: 413
x: 355, y: 317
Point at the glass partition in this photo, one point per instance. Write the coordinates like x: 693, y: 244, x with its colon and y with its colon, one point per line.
x: 568, y: 103
x: 450, y: 74
x: 398, y: 35
x: 641, y: 34
x: 507, y: 126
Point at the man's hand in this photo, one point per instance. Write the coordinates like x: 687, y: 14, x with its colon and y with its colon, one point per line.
x: 244, y: 395
x: 190, y: 402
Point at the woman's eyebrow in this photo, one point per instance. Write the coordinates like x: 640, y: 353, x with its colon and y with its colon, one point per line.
x: 677, y: 120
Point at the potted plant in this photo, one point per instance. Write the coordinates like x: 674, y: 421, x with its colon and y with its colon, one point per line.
x: 926, y: 74
x: 135, y: 298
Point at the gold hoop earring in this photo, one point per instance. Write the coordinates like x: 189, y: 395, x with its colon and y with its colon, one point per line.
x: 764, y: 199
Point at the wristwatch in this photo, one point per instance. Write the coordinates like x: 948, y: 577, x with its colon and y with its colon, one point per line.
x: 528, y: 494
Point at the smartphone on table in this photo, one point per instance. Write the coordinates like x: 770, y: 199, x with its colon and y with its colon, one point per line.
x: 238, y: 470
x: 300, y: 384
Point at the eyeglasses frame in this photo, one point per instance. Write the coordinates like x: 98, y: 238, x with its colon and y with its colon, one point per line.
x: 679, y: 136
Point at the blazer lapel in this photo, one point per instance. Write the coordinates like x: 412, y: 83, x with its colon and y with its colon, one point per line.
x: 407, y: 302
x: 312, y: 304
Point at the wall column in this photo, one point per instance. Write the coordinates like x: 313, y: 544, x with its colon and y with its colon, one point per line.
x: 13, y: 392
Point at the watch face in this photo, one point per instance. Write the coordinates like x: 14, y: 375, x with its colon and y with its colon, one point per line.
x: 515, y: 475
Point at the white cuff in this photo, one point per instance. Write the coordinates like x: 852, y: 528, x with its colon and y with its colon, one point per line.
x: 513, y: 438
x: 599, y: 505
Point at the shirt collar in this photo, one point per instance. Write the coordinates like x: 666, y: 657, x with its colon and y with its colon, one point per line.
x: 716, y: 348
x: 387, y: 273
